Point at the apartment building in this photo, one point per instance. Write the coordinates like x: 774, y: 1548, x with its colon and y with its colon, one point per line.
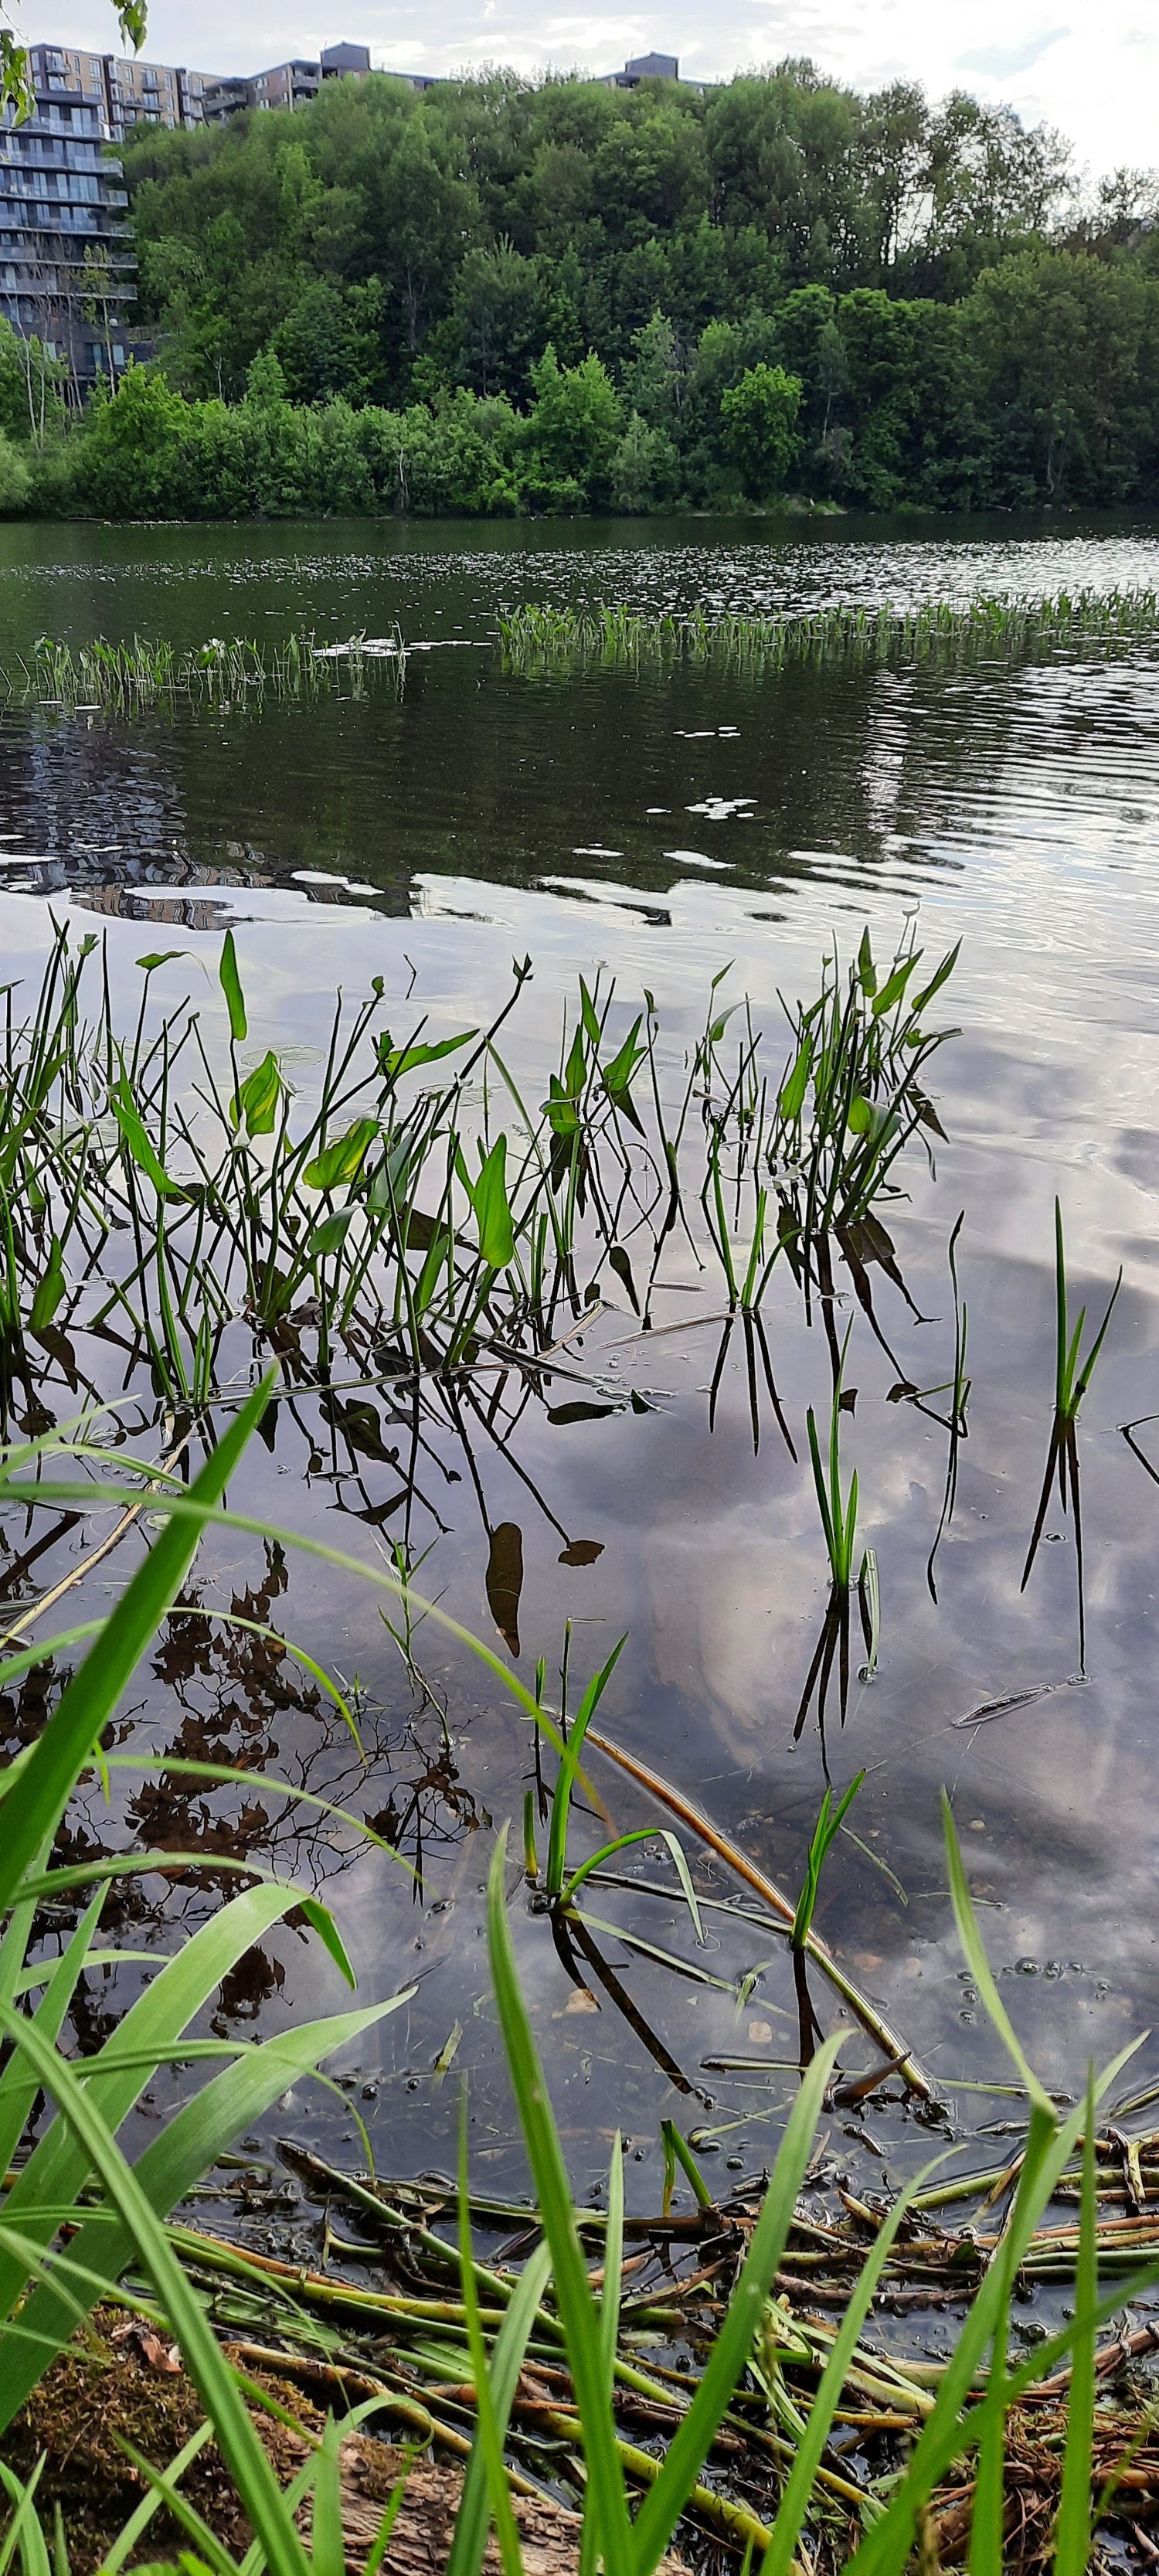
x: 67, y: 267
x: 287, y: 85
x: 644, y: 67
x: 139, y: 93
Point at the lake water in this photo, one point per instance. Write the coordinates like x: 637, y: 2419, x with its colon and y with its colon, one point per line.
x: 427, y: 832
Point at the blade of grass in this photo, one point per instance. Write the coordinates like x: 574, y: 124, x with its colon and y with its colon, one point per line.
x: 123, y: 2547
x: 236, y: 2439
x: 471, y: 2522
x: 606, y: 2497
x: 186, y: 2149
x: 1073, y: 2536
x: 89, y: 1699
x: 488, y: 2438
x: 795, y: 2502
x: 690, y: 2444
x: 56, y: 2171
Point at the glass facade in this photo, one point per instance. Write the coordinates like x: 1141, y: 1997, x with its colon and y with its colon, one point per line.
x: 67, y: 268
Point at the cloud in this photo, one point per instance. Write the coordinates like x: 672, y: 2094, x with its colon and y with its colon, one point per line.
x: 999, y: 62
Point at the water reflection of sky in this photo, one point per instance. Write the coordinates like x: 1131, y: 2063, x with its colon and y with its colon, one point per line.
x: 478, y: 817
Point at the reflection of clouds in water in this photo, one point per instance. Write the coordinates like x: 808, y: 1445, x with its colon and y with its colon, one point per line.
x: 1022, y: 809
x: 725, y: 1590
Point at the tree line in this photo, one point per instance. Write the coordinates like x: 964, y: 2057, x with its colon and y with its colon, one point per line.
x: 503, y: 295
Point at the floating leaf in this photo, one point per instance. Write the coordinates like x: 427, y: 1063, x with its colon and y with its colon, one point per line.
x: 868, y: 1240
x: 359, y: 1422
x: 928, y: 1116
x: 579, y: 1412
x: 582, y: 1551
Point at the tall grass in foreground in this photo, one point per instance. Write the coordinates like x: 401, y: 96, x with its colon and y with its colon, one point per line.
x: 630, y: 2542
x: 78, y: 2214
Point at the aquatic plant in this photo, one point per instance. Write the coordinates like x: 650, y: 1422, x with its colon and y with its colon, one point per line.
x: 825, y: 1832
x: 1072, y: 1376
x: 839, y: 1523
x: 958, y: 1390
x: 853, y: 1093
x: 496, y: 2317
x: 541, y: 638
x: 128, y: 679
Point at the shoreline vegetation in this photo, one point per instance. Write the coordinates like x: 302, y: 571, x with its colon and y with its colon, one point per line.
x: 508, y: 298
x: 536, y: 641
x: 715, y: 2375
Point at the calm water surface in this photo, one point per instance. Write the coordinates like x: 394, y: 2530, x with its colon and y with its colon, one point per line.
x: 429, y: 832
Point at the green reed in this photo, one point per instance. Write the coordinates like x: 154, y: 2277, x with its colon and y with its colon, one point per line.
x: 838, y: 1511
x: 129, y: 678
x: 540, y: 638
x: 1073, y: 1371
x: 418, y: 1208
x: 958, y: 1390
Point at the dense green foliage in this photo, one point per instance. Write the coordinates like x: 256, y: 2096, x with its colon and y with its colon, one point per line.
x: 504, y: 296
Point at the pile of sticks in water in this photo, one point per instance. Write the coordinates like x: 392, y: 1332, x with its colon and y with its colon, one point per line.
x: 383, y: 2315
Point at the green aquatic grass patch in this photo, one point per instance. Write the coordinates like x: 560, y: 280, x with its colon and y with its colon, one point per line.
x: 544, y: 639
x: 129, y: 678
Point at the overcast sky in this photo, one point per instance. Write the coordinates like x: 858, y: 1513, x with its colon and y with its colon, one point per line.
x: 1090, y: 67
